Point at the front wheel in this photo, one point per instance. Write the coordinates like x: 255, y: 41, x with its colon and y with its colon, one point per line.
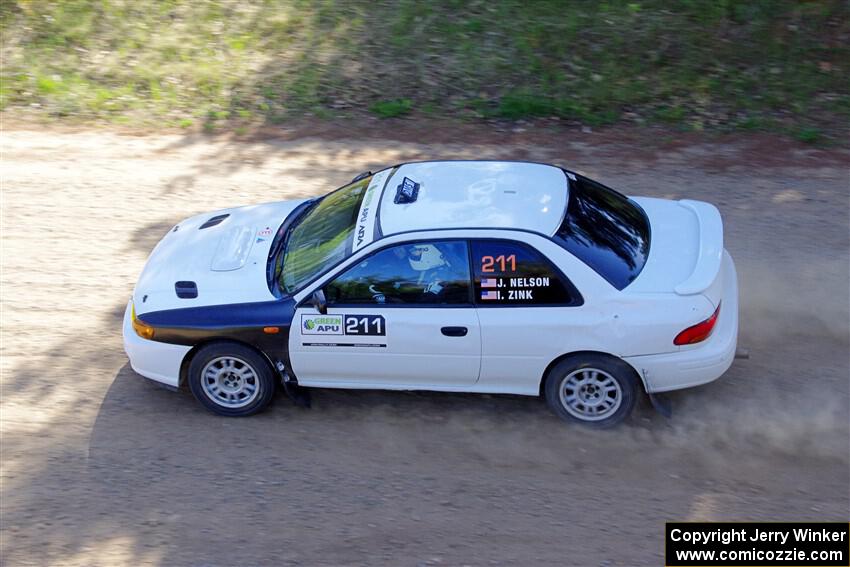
x: 595, y: 390
x: 231, y: 379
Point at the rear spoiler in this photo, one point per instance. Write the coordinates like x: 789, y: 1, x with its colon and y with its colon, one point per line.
x: 710, y: 252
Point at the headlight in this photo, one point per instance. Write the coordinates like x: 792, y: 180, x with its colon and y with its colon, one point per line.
x: 142, y: 329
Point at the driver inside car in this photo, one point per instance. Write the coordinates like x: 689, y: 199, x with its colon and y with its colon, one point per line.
x: 420, y: 270
x: 423, y: 272
x: 431, y: 265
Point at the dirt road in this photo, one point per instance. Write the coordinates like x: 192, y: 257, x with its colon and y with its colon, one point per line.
x: 100, y: 466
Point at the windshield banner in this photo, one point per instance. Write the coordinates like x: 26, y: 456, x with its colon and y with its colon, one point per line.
x: 365, y: 229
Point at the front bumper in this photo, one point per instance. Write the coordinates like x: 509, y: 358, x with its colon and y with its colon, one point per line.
x: 158, y: 361
x: 702, y: 363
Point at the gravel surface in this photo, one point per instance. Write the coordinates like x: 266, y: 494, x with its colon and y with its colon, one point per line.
x: 102, y: 467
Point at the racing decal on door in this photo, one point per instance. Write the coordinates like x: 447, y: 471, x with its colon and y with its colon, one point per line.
x: 356, y: 345
x: 351, y: 325
x: 321, y: 325
x: 370, y: 325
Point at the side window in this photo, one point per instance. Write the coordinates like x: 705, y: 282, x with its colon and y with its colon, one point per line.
x: 419, y: 273
x: 510, y: 273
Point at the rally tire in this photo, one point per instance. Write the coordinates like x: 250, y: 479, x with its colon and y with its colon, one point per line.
x: 595, y: 390
x: 231, y: 379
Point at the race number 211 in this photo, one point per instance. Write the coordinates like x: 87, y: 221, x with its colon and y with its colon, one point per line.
x: 489, y: 263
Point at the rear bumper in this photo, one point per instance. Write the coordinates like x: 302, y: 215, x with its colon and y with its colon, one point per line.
x: 158, y: 361
x: 702, y: 363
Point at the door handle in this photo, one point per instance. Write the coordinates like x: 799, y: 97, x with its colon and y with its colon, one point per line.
x: 454, y: 331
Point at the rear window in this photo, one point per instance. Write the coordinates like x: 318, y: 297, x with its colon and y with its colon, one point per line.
x: 605, y: 230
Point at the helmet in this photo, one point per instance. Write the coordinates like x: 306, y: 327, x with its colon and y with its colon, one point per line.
x: 425, y: 257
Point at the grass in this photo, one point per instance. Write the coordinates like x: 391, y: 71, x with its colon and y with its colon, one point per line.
x: 392, y: 108
x: 717, y: 64
x: 808, y: 135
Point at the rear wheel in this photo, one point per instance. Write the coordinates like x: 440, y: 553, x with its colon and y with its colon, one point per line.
x: 595, y: 390
x: 231, y: 379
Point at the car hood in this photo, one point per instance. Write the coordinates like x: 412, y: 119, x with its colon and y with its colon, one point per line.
x: 223, y: 253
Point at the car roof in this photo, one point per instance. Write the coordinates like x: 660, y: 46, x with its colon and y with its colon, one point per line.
x: 476, y: 194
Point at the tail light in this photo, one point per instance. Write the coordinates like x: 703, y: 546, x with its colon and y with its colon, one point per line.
x: 698, y: 332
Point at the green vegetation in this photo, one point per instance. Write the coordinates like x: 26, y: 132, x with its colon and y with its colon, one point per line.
x: 750, y: 64
x: 808, y: 135
x: 392, y: 108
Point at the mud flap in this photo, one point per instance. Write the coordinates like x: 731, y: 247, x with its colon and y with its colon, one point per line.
x: 662, y: 404
x: 299, y: 396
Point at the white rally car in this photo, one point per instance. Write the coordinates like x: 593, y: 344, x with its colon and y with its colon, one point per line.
x: 461, y: 276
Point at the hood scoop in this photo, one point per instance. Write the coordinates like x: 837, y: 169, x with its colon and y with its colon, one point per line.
x: 213, y: 221
x: 233, y: 249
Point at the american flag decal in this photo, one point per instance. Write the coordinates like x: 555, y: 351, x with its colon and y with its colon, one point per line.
x: 489, y: 295
x: 489, y: 282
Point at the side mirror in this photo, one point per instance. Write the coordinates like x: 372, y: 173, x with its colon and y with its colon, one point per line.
x: 319, y: 302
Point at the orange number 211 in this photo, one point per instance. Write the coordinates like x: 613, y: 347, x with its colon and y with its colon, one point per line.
x: 488, y: 262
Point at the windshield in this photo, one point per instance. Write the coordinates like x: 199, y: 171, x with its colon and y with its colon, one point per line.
x: 605, y: 230
x: 323, y: 237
